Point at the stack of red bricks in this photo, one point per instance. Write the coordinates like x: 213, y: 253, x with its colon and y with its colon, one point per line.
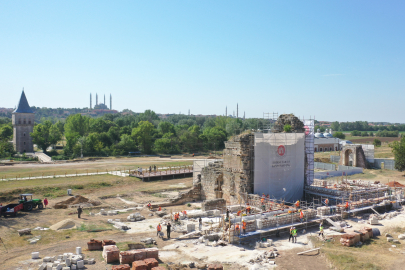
x: 147, y: 264
x: 121, y: 267
x: 138, y: 255
x: 94, y: 245
x: 111, y: 254
x: 108, y: 243
x: 215, y: 266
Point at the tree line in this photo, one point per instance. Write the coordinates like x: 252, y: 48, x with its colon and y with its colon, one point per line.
x: 119, y: 134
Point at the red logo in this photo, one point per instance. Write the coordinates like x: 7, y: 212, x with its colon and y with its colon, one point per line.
x: 281, y: 150
x: 306, y: 130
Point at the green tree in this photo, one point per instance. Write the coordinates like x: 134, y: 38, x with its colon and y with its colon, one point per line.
x: 364, y: 133
x: 166, y: 127
x: 143, y: 136
x: 76, y: 126
x: 45, y: 134
x: 377, y: 143
x: 6, y: 149
x: 339, y: 135
x: 6, y: 132
x: 355, y: 133
x: 335, y: 126
x: 398, y: 148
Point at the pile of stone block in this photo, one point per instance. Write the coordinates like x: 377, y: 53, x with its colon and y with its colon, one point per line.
x: 323, y: 211
x: 135, y: 217
x: 350, y: 239
x: 118, y: 224
x: 67, y: 261
x: 108, y: 213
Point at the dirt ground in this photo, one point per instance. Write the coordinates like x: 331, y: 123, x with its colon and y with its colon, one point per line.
x: 121, y: 193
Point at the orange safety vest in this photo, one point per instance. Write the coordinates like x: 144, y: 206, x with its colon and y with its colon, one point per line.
x: 159, y: 228
x: 326, y: 201
x: 347, y: 204
x: 244, y: 225
x: 160, y: 208
x: 238, y: 214
x: 302, y: 214
x: 297, y: 204
x: 237, y: 227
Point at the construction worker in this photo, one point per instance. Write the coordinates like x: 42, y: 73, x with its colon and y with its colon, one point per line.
x: 301, y: 215
x: 79, y: 211
x: 159, y: 229
x: 149, y: 206
x: 237, y: 229
x: 327, y: 202
x: 168, y: 229
x: 294, y: 234
x: 297, y: 204
x: 347, y: 206
x: 291, y: 235
x: 321, y: 230
x: 160, y: 208
x: 244, y: 226
x: 200, y: 224
x: 238, y: 213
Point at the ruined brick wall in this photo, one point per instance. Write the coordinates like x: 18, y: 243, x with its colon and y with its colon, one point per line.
x: 359, y: 159
x: 232, y: 178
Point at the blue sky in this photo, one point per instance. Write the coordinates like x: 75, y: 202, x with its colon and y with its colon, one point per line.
x: 335, y: 60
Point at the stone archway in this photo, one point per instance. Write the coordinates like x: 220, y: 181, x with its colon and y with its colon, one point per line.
x: 348, y: 157
x: 353, y: 155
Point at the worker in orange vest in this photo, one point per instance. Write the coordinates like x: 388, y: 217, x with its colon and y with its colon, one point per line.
x: 159, y: 229
x: 239, y: 212
x: 297, y: 204
x: 244, y: 226
x: 301, y: 215
x: 160, y: 208
x: 327, y: 202
x: 347, y: 206
x: 237, y: 229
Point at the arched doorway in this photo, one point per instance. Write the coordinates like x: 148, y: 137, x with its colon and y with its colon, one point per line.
x: 348, y: 158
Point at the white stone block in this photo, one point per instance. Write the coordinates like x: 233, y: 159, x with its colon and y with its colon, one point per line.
x: 46, y: 259
x: 59, y: 267
x: 66, y: 268
x: 78, y: 250
x: 35, y: 255
x: 49, y: 266
x: 190, y: 227
x: 73, y: 267
x: 68, y: 262
x: 42, y: 266
x: 91, y: 261
x: 80, y: 264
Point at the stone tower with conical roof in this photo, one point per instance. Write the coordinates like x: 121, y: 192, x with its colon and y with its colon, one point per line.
x: 23, y: 125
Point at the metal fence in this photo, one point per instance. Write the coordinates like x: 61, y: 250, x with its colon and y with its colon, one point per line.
x: 381, y: 163
x: 335, y: 159
x: 324, y: 166
x: 351, y: 171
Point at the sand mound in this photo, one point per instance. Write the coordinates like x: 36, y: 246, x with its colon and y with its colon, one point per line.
x: 395, y: 184
x: 63, y: 225
x: 76, y: 200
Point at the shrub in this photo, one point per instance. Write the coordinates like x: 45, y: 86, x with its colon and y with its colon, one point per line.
x: 287, y: 128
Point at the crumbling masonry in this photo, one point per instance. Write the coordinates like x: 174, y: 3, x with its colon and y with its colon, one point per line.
x: 232, y: 178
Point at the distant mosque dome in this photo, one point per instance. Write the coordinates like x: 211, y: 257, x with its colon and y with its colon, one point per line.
x: 318, y: 134
x: 328, y: 134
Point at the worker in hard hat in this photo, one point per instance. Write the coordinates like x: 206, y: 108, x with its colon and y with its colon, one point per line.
x: 294, y: 234
x: 159, y: 229
x: 301, y: 215
x: 244, y: 226
x: 297, y: 204
x: 237, y: 229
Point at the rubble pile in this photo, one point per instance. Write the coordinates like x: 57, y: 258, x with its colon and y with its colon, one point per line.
x: 135, y: 217
x: 75, y: 202
x: 265, y: 260
x: 118, y: 224
x: 67, y: 261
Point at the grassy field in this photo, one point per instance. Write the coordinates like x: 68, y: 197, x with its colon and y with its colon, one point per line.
x: 102, y: 165
x: 108, y: 184
x: 365, y: 256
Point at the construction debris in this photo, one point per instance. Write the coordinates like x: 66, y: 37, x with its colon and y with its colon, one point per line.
x: 135, y: 217
x: 66, y: 261
x: 64, y: 225
x: 75, y: 202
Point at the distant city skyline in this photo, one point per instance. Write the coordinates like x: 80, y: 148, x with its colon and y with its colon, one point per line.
x: 337, y: 61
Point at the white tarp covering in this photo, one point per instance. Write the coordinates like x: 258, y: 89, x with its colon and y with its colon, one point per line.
x: 279, y: 165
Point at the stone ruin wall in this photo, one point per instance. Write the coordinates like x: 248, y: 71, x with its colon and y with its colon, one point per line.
x: 231, y: 178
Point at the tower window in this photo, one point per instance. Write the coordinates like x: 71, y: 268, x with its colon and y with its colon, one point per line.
x: 24, y: 134
x: 24, y: 120
x: 24, y: 143
x: 19, y: 121
x: 29, y: 121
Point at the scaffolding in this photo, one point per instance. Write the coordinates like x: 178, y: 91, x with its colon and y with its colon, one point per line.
x: 269, y: 120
